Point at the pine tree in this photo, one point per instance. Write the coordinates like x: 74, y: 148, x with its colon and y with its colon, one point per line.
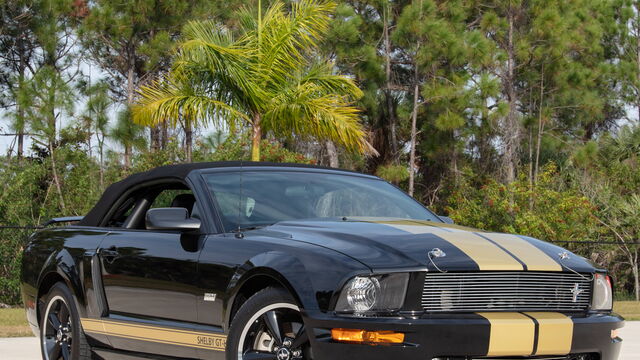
x: 132, y: 40
x: 17, y: 52
x: 361, y: 40
x: 96, y: 118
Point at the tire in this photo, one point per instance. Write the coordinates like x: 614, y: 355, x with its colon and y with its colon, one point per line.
x: 61, y: 334
x: 268, y: 312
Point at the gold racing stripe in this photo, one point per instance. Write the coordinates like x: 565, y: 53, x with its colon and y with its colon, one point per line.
x: 92, y: 325
x: 155, y: 334
x: 418, y: 223
x: 534, y: 258
x: 486, y: 254
x: 555, y: 333
x: 512, y: 334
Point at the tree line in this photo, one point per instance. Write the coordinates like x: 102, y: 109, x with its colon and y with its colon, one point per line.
x: 518, y: 116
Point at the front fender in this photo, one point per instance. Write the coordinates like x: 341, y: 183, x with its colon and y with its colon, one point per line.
x: 311, y: 277
x: 279, y: 266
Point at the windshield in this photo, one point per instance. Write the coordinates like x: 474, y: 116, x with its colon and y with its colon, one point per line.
x: 272, y: 196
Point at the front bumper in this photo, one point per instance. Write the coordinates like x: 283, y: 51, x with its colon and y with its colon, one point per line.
x: 473, y: 336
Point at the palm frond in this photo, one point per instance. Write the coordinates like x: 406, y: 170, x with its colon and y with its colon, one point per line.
x: 287, y: 38
x: 321, y: 75
x: 168, y: 101
x: 217, y: 60
x: 305, y: 110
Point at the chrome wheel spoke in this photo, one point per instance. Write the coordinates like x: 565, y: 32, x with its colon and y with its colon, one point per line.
x: 63, y: 314
x: 54, y: 321
x: 54, y: 351
x: 258, y: 355
x: 301, y: 338
x: 66, y: 354
x: 271, y: 321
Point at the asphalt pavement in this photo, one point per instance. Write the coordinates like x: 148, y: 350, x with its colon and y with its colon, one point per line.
x: 28, y: 349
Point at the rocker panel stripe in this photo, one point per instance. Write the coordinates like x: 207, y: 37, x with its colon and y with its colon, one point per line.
x: 155, y: 334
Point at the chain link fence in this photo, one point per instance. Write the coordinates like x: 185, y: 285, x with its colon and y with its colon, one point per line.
x: 12, y: 242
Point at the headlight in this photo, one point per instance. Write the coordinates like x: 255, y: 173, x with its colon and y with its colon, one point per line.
x: 373, y: 293
x: 602, y: 293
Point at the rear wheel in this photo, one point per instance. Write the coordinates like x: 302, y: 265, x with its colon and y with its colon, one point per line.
x: 268, y: 326
x: 61, y: 336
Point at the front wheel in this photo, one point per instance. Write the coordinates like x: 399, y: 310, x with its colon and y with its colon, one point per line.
x: 268, y: 326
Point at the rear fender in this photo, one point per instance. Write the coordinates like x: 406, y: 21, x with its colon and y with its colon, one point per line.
x: 60, y: 265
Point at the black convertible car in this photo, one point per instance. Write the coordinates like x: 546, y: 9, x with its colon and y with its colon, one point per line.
x: 250, y: 261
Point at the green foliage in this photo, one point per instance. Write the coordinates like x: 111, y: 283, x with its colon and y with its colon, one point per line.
x: 544, y: 211
x: 238, y: 147
x: 264, y: 77
x: 28, y: 198
x: 393, y: 173
x: 609, y: 174
x: 133, y: 38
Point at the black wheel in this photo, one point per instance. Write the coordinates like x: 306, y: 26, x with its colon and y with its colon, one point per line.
x: 268, y: 326
x: 61, y: 336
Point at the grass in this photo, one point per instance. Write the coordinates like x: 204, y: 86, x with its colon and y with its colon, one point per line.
x: 630, y: 310
x: 13, y: 323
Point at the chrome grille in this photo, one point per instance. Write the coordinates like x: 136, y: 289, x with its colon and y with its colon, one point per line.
x: 506, y: 291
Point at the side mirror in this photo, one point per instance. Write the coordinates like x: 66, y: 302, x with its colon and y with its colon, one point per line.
x: 446, y: 219
x: 171, y: 219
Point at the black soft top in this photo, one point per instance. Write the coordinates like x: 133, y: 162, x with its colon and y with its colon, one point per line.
x: 177, y: 172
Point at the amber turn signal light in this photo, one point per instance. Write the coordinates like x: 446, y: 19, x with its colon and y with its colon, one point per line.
x: 369, y: 337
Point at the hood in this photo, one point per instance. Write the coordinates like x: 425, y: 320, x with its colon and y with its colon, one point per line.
x: 392, y: 244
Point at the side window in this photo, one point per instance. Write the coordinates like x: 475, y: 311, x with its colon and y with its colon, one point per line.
x: 131, y: 212
x: 122, y: 213
x: 172, y: 198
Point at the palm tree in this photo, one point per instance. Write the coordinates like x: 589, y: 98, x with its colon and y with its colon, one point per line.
x: 268, y: 77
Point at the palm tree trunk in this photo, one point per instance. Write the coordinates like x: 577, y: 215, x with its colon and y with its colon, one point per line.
x: 188, y: 139
x: 165, y: 135
x: 154, y: 138
x: 332, y: 153
x: 256, y: 136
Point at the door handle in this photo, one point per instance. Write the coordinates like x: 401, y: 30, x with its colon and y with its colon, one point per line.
x: 110, y: 254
